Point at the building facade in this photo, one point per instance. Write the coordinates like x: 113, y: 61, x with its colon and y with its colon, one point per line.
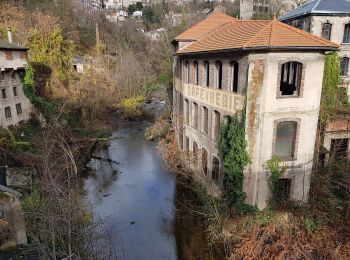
x: 220, y: 64
x: 14, y: 105
x: 331, y: 21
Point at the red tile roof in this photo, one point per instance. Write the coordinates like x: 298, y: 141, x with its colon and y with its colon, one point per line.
x: 254, y: 34
x: 203, y: 27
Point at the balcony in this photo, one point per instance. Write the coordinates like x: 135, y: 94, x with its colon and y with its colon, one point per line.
x: 13, y: 64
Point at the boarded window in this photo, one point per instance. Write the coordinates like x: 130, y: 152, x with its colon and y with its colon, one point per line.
x: 346, y: 38
x: 195, y: 115
x: 207, y: 73
x: 9, y: 55
x: 339, y: 149
x: 196, y: 72
x: 215, y: 170
x: 344, y: 66
x: 234, y: 76
x: 291, y: 73
x: 216, y: 125
x: 187, y: 112
x: 8, y: 112
x: 205, y: 162
x: 285, y: 139
x: 19, y: 109
x: 23, y: 55
x: 218, y: 65
x: 326, y: 31
x: 205, y: 120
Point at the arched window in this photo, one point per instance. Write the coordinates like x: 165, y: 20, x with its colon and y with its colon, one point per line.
x: 234, y: 76
x: 344, y: 66
x: 326, y: 31
x: 195, y: 115
x: 205, y: 162
x: 196, y: 72
x: 346, y: 38
x: 291, y: 73
x: 187, y: 111
x: 205, y: 120
x: 187, y: 71
x: 218, y: 65
x: 216, y: 125
x: 285, y: 138
x: 206, y: 72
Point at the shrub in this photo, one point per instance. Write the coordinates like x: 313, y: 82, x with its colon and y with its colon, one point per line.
x: 132, y: 106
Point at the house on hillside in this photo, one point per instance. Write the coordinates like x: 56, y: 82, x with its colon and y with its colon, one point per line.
x: 220, y: 64
x: 331, y: 21
x: 14, y: 105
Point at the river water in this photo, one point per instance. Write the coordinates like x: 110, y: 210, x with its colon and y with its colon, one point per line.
x: 140, y: 203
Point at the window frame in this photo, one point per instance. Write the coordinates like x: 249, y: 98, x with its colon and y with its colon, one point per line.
x: 219, y: 74
x: 234, y: 76
x: 299, y: 75
x: 8, y: 112
x: 206, y: 65
x: 19, y: 109
x: 196, y: 72
x: 346, y: 34
x: 295, y: 143
x: 187, y: 71
x: 3, y: 93
x: 205, y: 122
x: 344, y: 72
x: 328, y: 30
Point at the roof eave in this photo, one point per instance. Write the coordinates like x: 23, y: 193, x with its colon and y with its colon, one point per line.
x: 317, y: 13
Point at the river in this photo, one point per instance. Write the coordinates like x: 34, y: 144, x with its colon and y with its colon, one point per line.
x: 139, y: 201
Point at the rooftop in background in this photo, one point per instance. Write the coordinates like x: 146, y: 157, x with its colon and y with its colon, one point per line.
x: 253, y: 34
x: 319, y: 7
x: 4, y: 45
x: 203, y: 27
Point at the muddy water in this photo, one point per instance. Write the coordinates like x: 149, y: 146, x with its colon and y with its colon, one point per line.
x: 140, y: 204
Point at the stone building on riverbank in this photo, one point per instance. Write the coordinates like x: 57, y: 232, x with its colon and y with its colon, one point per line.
x: 14, y: 105
x: 221, y: 62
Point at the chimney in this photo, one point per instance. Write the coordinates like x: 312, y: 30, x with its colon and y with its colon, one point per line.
x: 9, y: 35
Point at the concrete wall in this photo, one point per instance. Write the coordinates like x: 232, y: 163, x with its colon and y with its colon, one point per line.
x: 11, y: 78
x: 265, y: 108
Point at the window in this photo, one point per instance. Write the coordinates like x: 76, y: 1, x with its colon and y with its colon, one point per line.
x: 2, y: 211
x: 285, y: 139
x: 218, y: 74
x: 3, y: 93
x: 196, y: 71
x: 346, y: 38
x: 205, y: 162
x: 9, y: 55
x: 195, y: 149
x: 205, y: 120
x: 215, y: 170
x: 344, y: 66
x: 339, y: 149
x: 187, y: 112
x: 291, y: 74
x: 326, y: 31
x: 8, y: 112
x: 15, y: 91
x: 19, y: 109
x: 195, y: 115
x: 23, y: 55
x: 14, y: 75
x: 187, y: 69
x: 234, y: 76
x: 216, y: 125
x: 2, y: 75
x: 207, y: 73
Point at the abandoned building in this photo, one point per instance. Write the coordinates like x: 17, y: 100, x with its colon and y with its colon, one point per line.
x: 14, y: 105
x: 221, y: 62
x: 331, y: 21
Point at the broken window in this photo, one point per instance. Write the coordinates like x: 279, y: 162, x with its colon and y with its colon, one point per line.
x: 196, y: 71
x: 205, y: 120
x: 344, y: 66
x: 216, y: 124
x: 283, y: 188
x: 326, y: 31
x: 285, y: 139
x: 339, y: 149
x: 218, y: 74
x: 187, y: 112
x: 234, y: 76
x: 195, y: 115
x: 346, y: 38
x: 8, y: 112
x: 207, y: 72
x: 291, y: 73
x: 205, y: 162
x: 19, y: 109
x: 215, y: 170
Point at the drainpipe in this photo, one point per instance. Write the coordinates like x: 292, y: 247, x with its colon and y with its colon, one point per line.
x: 9, y: 35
